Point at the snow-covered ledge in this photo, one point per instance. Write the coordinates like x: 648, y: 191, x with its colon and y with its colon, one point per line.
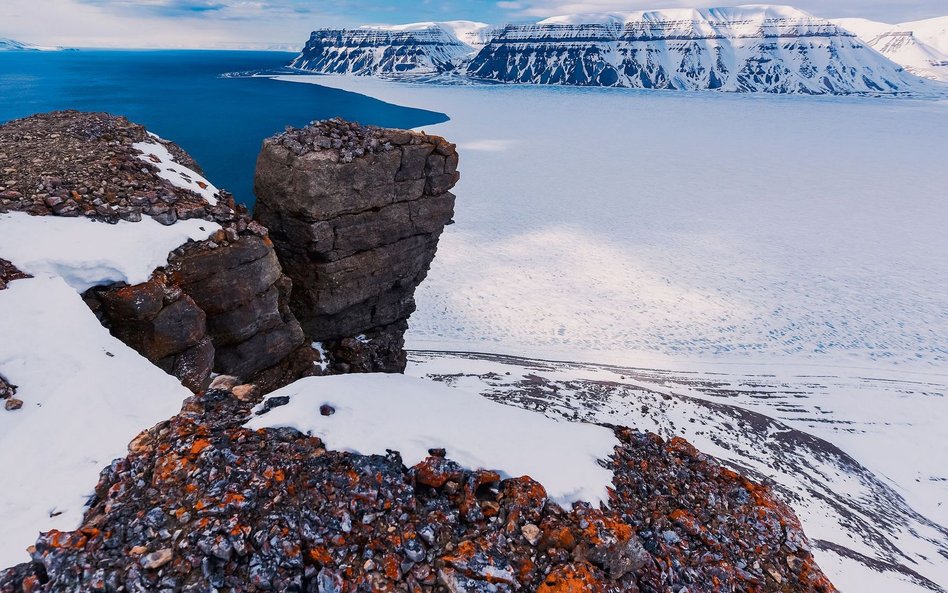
x: 379, y: 412
x: 85, y: 394
x: 87, y: 253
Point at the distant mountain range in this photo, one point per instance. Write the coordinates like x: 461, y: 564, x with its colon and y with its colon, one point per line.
x: 770, y: 49
x: 13, y: 45
x: 920, y: 46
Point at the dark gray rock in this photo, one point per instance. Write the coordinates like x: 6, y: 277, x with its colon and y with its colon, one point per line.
x: 356, y: 227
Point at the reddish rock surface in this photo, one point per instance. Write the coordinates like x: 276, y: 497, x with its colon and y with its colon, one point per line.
x: 201, y: 504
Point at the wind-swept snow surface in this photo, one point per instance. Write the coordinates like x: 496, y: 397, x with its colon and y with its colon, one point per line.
x: 377, y: 412
x: 85, y: 396
x: 87, y: 253
x: 789, y: 248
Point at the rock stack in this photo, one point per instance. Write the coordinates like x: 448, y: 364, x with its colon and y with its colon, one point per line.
x: 221, y: 305
x: 355, y: 214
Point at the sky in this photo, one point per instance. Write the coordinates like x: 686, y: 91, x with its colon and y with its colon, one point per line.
x: 263, y: 23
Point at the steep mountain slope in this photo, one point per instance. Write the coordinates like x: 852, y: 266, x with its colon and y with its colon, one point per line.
x: 920, y: 46
x: 933, y: 32
x: 418, y: 48
x: 745, y: 49
x: 12, y: 45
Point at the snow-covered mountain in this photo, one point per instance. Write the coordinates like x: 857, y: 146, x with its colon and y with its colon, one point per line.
x: 756, y: 48
x: 414, y: 49
x: 770, y: 49
x: 14, y: 45
x: 920, y: 46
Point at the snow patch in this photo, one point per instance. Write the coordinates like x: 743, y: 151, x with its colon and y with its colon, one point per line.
x: 87, y: 253
x: 177, y: 174
x: 380, y: 412
x: 85, y: 394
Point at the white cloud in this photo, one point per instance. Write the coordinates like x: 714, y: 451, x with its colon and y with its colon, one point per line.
x: 884, y: 10
x: 153, y: 23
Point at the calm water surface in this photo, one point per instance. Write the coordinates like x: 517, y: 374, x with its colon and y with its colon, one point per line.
x: 181, y: 95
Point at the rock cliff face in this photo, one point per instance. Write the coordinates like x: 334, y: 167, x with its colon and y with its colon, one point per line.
x: 355, y: 215
x: 755, y: 48
x: 201, y: 504
x: 410, y: 50
x: 768, y: 49
x: 220, y: 305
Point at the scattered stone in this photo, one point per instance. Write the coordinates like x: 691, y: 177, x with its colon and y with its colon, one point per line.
x: 327, y: 410
x: 224, y: 383
x: 69, y: 163
x: 245, y: 393
x: 531, y: 533
x: 226, y: 508
x: 156, y: 560
x: 12, y: 404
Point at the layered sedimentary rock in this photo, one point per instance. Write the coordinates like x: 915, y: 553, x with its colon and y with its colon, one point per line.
x: 202, y: 504
x: 769, y: 49
x: 219, y: 305
x: 757, y: 48
x: 355, y: 214
x: 425, y: 48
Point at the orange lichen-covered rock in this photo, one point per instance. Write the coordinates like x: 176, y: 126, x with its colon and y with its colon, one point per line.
x: 572, y: 578
x: 273, y: 510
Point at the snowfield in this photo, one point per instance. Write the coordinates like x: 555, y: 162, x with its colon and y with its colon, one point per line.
x: 87, y: 253
x: 682, y: 228
x: 85, y: 396
x: 788, y: 250
x: 375, y: 413
x: 85, y: 393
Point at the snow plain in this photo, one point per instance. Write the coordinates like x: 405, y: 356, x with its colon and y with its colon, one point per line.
x: 375, y: 413
x: 676, y: 229
x: 736, y: 236
x: 85, y: 393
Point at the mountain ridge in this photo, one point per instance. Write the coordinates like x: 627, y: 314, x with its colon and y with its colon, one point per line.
x: 920, y: 46
x: 750, y: 48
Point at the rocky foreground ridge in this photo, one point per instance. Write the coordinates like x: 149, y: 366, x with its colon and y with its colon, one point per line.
x: 201, y: 503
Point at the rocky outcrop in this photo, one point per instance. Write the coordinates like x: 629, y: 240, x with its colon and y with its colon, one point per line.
x: 70, y: 163
x: 221, y: 305
x: 355, y: 214
x: 201, y: 504
x: 9, y: 273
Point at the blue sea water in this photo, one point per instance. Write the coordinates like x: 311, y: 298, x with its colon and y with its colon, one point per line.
x: 182, y: 96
